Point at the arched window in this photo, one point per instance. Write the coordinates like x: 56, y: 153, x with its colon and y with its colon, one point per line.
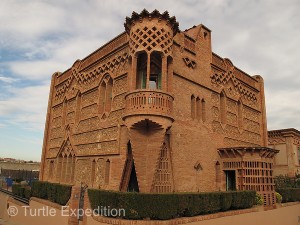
x: 155, y: 71
x: 203, y: 106
x: 169, y: 73
x: 141, y: 75
x: 73, y: 168
x: 78, y: 108
x: 193, y: 107
x: 223, y: 108
x: 240, y: 114
x: 58, y: 168
x: 105, y: 94
x: 107, y: 171
x: 64, y: 116
x: 108, y: 95
x: 198, y: 108
x: 51, y: 169
x: 65, y: 166
x: 93, y: 173
x: 102, y: 89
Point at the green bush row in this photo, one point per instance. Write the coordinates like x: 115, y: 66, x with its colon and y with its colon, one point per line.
x: 171, y: 205
x: 286, y: 182
x: 21, y: 191
x: 289, y: 194
x: 57, y: 193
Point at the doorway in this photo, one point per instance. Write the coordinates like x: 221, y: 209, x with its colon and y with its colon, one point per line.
x: 133, y: 183
x: 129, y: 180
x: 230, y: 180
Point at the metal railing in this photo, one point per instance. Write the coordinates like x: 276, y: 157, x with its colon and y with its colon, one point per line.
x: 16, y: 197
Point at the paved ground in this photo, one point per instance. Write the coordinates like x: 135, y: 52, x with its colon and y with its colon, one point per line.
x: 2, y: 222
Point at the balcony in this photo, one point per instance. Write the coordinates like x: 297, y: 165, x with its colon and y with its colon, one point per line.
x: 149, y: 104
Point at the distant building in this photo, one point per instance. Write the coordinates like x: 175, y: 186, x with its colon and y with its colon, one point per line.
x: 19, y: 170
x: 155, y: 110
x: 287, y: 161
x: 16, y: 165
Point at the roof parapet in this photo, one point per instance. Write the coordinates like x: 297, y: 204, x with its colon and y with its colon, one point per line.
x: 155, y: 14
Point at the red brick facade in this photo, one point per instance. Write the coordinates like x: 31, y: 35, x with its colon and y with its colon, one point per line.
x: 287, y: 161
x: 155, y: 110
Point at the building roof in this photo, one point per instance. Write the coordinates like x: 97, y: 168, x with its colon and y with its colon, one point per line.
x: 284, y: 132
x: 155, y: 14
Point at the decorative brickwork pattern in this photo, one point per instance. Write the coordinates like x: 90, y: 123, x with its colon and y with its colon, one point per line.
x: 85, y: 78
x: 189, y: 63
x: 224, y: 78
x: 148, y: 83
x: 163, y: 177
x: 150, y: 38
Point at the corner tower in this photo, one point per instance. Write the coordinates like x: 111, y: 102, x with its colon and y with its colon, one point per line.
x: 149, y: 102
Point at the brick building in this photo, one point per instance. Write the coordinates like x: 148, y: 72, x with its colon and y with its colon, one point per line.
x: 287, y: 161
x: 155, y: 110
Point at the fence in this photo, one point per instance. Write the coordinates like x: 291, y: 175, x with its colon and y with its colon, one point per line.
x: 20, y: 174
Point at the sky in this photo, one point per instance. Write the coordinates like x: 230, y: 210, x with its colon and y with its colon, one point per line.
x: 38, y: 38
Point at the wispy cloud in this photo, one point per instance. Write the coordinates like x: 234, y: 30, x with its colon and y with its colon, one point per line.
x: 7, y: 79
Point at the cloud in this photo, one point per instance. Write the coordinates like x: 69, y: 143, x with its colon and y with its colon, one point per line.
x: 27, y: 108
x: 7, y: 79
x: 38, y: 38
x: 282, y: 110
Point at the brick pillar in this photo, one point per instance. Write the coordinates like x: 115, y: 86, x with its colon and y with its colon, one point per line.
x: 74, y: 204
x: 86, y: 206
x: 132, y: 78
x: 290, y: 156
x: 170, y: 75
x: 146, y: 146
x: 164, y: 73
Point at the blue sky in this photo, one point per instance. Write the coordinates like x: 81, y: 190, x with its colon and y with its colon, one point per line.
x: 38, y: 38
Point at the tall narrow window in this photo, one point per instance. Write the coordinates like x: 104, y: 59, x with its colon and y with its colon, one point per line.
x: 198, y: 108
x: 223, y: 108
x: 218, y: 175
x: 93, y: 173
x: 108, y: 95
x: 78, y: 108
x: 203, y: 106
x: 240, y: 114
x: 155, y: 71
x: 68, y: 168
x: 58, y: 168
x: 105, y: 94
x: 65, y: 165
x: 102, y: 89
x: 107, y: 171
x: 141, y: 75
x: 51, y: 169
x: 193, y: 107
x: 73, y: 168
x: 64, y: 168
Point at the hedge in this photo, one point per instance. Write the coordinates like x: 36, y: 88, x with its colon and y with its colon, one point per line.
x: 289, y: 194
x: 242, y: 200
x: 286, y: 182
x: 170, y: 205
x: 53, y: 192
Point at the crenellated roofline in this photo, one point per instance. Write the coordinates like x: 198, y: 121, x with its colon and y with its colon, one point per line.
x: 155, y: 14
